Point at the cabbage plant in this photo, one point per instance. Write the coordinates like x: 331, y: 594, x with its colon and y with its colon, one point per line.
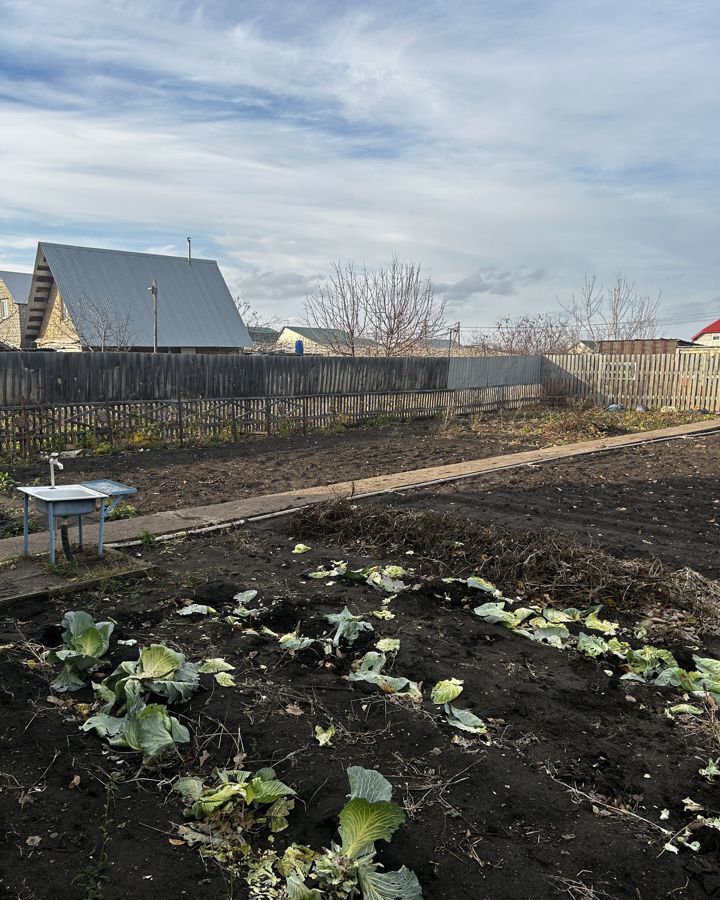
x: 348, y: 627
x: 231, y: 803
x: 158, y: 670
x: 85, y: 642
x: 369, y: 669
x: 350, y: 867
x: 149, y: 729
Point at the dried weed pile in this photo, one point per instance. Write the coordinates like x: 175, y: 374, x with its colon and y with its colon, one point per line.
x: 545, y: 565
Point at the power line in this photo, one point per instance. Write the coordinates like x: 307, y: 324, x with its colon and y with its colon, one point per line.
x: 671, y: 320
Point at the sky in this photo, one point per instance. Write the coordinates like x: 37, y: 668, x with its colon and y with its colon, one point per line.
x: 508, y: 146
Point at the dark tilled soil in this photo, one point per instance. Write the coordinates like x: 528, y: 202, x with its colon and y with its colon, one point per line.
x: 487, y: 822
x: 661, y: 499
x: 181, y: 477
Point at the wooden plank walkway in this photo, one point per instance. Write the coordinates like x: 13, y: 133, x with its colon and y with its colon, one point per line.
x: 199, y: 518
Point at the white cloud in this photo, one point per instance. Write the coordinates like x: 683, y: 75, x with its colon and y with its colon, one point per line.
x: 487, y: 141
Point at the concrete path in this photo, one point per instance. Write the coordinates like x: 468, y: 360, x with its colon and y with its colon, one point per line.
x: 199, y: 518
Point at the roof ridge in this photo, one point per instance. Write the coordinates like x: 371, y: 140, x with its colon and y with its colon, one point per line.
x: 195, y: 259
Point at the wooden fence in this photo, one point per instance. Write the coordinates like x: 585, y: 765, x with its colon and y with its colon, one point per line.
x: 26, y: 430
x: 685, y: 380
x: 37, y: 379
x: 56, y: 400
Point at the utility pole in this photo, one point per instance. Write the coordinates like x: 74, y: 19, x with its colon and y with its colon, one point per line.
x: 154, y: 291
x: 453, y: 330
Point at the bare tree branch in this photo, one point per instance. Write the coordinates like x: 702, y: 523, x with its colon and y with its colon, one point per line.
x: 251, y: 317
x: 389, y: 312
x: 527, y: 335
x: 618, y: 313
x: 403, y: 312
x: 97, y: 324
x: 340, y: 307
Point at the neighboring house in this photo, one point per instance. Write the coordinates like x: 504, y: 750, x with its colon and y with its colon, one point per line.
x: 583, y: 347
x: 83, y: 298
x: 639, y: 346
x: 264, y: 338
x: 709, y: 336
x: 643, y: 346
x: 321, y: 341
x: 334, y: 342
x: 14, y: 290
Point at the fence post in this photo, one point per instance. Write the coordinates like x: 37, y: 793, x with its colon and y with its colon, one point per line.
x: 111, y: 433
x: 181, y: 436
x: 233, y: 421
x: 304, y: 415
x: 268, y: 422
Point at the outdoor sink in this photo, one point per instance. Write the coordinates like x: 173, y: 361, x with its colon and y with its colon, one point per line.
x: 66, y: 499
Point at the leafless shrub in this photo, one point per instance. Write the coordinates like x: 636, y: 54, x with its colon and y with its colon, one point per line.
x: 527, y: 335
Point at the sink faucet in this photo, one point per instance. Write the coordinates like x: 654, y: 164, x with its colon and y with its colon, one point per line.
x: 54, y: 462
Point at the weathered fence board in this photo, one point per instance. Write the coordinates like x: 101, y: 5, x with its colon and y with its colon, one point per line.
x: 36, y: 379
x: 26, y: 430
x: 683, y: 380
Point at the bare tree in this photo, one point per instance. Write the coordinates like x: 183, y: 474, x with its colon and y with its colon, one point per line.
x: 617, y: 313
x: 527, y: 335
x: 339, y: 306
x: 251, y: 317
x: 392, y: 311
x: 403, y: 312
x: 97, y: 324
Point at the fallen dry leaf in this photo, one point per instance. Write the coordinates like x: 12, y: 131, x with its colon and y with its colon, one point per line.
x: 294, y: 710
x: 75, y: 782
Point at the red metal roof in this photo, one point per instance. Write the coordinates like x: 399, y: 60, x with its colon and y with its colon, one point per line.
x: 713, y: 328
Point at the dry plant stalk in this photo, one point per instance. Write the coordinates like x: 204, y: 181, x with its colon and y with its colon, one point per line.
x: 543, y: 564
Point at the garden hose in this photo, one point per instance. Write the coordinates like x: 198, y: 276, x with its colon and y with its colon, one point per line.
x: 66, y: 545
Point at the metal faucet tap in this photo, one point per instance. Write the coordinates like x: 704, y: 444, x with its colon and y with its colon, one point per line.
x: 54, y: 463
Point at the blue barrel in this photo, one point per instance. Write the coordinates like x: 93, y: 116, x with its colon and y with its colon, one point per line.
x: 299, y: 348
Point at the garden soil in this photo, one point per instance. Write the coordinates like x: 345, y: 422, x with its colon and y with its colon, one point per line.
x: 581, y: 773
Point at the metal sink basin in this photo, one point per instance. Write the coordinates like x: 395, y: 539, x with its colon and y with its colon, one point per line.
x: 66, y: 499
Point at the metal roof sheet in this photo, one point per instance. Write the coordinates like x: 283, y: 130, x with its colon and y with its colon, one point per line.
x: 195, y: 307
x: 18, y: 283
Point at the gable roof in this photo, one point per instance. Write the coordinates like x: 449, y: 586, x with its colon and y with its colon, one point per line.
x: 195, y: 307
x: 263, y: 333
x: 18, y: 283
x: 318, y: 335
x: 712, y: 328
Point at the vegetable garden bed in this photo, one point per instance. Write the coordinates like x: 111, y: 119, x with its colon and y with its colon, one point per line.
x: 522, y: 763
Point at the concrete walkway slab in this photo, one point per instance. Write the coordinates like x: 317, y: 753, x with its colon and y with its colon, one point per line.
x: 201, y: 518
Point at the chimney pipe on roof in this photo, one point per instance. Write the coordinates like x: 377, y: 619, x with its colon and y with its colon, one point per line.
x: 189, y: 240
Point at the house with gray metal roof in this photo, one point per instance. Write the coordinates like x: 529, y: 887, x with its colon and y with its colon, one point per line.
x: 85, y: 298
x: 14, y: 290
x: 323, y: 341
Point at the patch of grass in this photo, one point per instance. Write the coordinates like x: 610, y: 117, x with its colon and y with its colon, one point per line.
x: 122, y: 511
x: 582, y: 421
x: 147, y: 539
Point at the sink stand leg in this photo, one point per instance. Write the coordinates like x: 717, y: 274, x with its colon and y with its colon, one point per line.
x: 51, y: 529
